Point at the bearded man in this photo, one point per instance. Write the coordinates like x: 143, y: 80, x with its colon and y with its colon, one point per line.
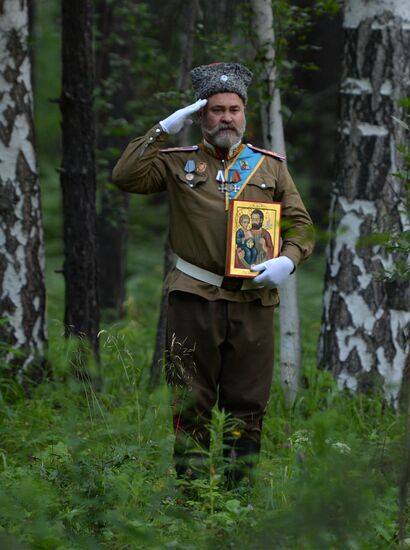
x: 220, y: 329
x: 263, y: 240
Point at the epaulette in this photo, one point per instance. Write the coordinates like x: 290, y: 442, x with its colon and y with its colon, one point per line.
x: 180, y: 149
x: 267, y: 152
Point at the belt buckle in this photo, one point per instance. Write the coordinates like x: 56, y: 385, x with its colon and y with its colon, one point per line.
x: 232, y: 283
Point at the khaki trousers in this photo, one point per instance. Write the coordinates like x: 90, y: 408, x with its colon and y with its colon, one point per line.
x: 218, y: 352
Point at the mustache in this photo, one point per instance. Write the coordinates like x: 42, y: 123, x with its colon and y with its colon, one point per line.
x: 225, y: 126
x: 221, y: 128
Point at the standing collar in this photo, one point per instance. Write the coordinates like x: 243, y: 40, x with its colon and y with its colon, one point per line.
x: 222, y: 153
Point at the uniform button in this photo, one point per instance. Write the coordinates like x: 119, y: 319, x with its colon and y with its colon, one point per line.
x: 158, y: 130
x: 263, y: 185
x: 151, y: 139
x: 191, y: 185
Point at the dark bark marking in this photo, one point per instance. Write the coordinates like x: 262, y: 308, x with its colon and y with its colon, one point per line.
x: 6, y: 130
x: 374, y: 296
x: 27, y: 182
x: 331, y: 353
x: 3, y: 267
x: 404, y: 335
x: 348, y: 273
x: 8, y: 202
x: 11, y: 74
x: 383, y: 336
x: 19, y: 94
x: 353, y: 362
x: 11, y: 247
x: 16, y: 47
x: 7, y: 306
x: 398, y: 295
x: 338, y: 306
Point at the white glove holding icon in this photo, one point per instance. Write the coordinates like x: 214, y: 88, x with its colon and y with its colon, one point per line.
x: 274, y: 272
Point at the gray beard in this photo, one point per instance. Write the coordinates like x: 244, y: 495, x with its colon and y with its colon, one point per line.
x: 223, y: 136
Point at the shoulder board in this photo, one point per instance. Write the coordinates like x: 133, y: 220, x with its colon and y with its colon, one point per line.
x: 266, y: 152
x: 180, y: 149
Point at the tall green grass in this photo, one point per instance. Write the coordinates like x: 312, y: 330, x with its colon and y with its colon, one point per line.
x: 86, y: 469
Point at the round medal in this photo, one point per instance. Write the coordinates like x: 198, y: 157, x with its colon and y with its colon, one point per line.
x: 189, y: 177
x: 201, y: 167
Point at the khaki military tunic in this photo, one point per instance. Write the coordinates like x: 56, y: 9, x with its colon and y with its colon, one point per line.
x: 198, y: 217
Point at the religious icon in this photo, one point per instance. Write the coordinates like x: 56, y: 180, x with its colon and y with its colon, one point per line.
x: 253, y: 235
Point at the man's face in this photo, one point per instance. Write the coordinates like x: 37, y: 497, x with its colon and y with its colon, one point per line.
x: 223, y: 120
x: 256, y: 221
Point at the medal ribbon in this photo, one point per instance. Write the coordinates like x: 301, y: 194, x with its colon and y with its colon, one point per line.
x: 251, y: 160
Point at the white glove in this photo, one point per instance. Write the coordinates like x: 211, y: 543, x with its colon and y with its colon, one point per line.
x: 175, y: 122
x: 274, y: 272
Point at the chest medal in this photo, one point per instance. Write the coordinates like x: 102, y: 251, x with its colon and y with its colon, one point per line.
x: 189, y: 169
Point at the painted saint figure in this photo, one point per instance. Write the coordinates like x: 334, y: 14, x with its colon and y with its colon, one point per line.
x: 262, y: 238
x: 245, y: 243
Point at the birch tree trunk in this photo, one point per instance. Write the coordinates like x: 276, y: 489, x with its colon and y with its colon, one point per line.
x: 366, y: 322
x: 78, y: 173
x: 273, y: 136
x: 22, y: 294
x: 117, y: 88
x: 187, y: 43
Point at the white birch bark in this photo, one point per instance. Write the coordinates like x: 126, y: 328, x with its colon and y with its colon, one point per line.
x: 22, y: 293
x: 366, y: 322
x: 273, y: 135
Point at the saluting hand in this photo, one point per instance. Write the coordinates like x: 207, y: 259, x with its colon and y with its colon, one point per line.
x: 175, y: 122
x: 274, y: 272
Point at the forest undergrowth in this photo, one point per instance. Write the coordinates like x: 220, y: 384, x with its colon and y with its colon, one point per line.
x: 87, y: 469
x: 81, y: 468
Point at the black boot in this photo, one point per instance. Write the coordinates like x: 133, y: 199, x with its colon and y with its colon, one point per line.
x: 191, y: 453
x: 241, y: 453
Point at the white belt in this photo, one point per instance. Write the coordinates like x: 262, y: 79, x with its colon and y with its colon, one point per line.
x: 208, y: 277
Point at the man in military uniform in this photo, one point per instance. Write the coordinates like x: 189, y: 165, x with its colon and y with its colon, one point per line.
x: 220, y: 329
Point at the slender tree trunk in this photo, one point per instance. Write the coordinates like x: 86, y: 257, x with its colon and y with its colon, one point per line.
x: 366, y: 321
x: 112, y: 220
x: 405, y: 474
x: 22, y: 294
x: 273, y: 136
x: 182, y: 139
x: 78, y: 173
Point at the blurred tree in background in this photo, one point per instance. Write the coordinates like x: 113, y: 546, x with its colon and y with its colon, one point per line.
x: 23, y: 330
x: 77, y: 173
